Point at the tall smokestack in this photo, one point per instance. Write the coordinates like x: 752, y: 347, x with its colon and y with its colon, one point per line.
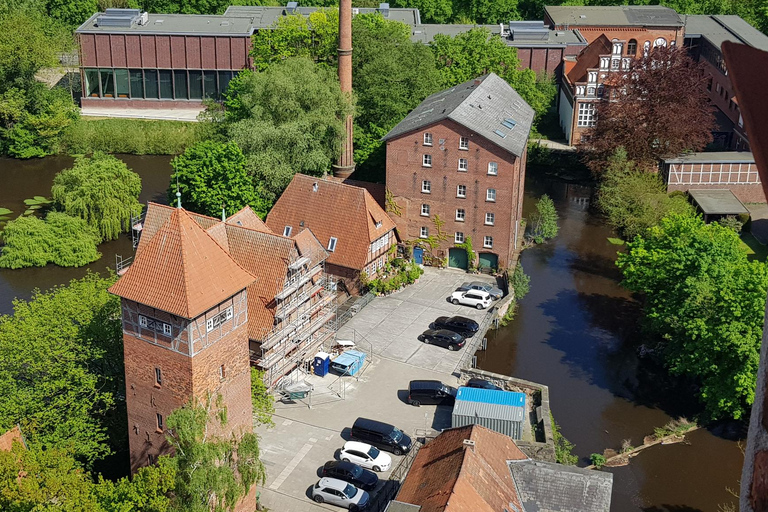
x: 346, y: 162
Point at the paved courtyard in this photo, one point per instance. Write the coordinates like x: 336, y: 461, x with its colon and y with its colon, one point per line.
x: 390, y: 326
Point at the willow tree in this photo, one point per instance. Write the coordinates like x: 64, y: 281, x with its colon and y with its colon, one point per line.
x: 100, y: 190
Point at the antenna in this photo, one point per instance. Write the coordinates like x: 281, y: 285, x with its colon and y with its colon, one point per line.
x: 178, y: 194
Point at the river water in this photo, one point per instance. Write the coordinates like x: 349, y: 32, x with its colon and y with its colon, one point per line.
x: 576, y: 331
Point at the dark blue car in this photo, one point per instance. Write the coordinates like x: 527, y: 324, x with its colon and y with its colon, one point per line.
x: 352, y: 473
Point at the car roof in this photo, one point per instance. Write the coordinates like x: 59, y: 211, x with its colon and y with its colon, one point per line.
x: 481, y: 283
x: 480, y: 292
x: 368, y: 423
x: 461, y: 319
x: 333, y: 483
x: 446, y: 332
x: 340, y: 464
x: 357, y: 446
x: 425, y: 384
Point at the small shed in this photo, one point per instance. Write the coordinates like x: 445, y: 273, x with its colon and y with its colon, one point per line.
x: 349, y: 362
x: 501, y: 411
x: 717, y: 203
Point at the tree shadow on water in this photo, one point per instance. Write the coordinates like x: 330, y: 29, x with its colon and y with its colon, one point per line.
x: 672, y: 508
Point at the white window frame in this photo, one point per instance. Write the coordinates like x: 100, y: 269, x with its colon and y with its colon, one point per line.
x: 586, y: 115
x: 493, y: 168
x: 426, y: 161
x: 488, y: 242
x: 458, y: 237
x: 287, y: 231
x: 167, y: 329
x: 142, y: 321
x: 332, y: 242
x: 490, y: 195
x: 425, y: 210
x: 461, y: 214
x: 427, y: 139
x: 464, y: 143
x: 218, y: 319
x: 458, y: 191
x: 426, y: 187
x: 463, y: 164
x: 424, y: 232
x: 490, y: 219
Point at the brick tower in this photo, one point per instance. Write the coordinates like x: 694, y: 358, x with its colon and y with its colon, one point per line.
x: 346, y: 163
x: 184, y: 314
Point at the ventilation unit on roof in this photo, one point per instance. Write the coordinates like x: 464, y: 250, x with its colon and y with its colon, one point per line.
x: 355, y: 11
x: 291, y: 7
x: 314, y: 187
x: 528, y: 31
x: 384, y: 10
x: 143, y: 18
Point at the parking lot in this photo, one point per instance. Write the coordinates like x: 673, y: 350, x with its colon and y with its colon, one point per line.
x: 305, y: 438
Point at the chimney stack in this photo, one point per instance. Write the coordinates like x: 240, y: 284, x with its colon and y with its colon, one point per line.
x: 469, y: 444
x: 346, y: 164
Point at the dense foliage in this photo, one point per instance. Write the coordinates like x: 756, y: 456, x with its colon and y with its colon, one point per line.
x: 706, y: 302
x: 59, y: 239
x: 542, y: 224
x: 633, y: 199
x: 664, y: 110
x: 520, y: 282
x: 101, y: 190
x: 61, y: 367
x: 263, y: 402
x: 129, y: 136
x: 210, y: 176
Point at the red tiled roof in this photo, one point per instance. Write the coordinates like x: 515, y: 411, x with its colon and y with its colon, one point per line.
x: 182, y: 270
x: 158, y: 214
x: 7, y: 439
x: 446, y: 476
x: 310, y: 247
x: 247, y: 218
x: 589, y: 58
x: 345, y: 212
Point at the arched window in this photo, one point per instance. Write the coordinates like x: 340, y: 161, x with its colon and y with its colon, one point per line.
x: 632, y: 47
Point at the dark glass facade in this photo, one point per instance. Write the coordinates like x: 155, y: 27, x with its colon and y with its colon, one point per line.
x: 166, y: 84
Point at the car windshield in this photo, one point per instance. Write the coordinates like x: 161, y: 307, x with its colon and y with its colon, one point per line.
x: 396, y: 435
x: 350, y: 491
x: 373, y: 452
x: 356, y: 471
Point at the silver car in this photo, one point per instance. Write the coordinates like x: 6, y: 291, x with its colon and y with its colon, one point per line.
x: 340, y: 493
x: 491, y: 290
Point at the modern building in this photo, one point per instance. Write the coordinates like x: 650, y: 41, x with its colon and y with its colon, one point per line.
x: 732, y: 170
x: 704, y: 36
x: 474, y: 468
x: 347, y: 220
x: 456, y: 170
x: 500, y: 411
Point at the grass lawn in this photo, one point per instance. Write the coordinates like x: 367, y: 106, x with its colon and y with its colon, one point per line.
x: 755, y: 250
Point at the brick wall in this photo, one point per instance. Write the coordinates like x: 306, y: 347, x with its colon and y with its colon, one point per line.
x: 405, y: 174
x: 639, y: 34
x: 740, y: 178
x: 120, y: 103
x: 349, y: 276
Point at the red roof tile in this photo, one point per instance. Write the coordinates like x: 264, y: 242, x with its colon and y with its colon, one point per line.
x: 447, y: 476
x: 345, y: 212
x: 247, y: 218
x: 182, y: 270
x: 7, y: 439
x: 158, y: 214
x: 589, y: 58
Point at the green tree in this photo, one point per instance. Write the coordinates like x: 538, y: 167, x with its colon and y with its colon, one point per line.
x: 431, y: 11
x: 149, y: 490
x: 73, y: 13
x: 212, y: 175
x: 489, y: 11
x: 521, y: 282
x: 542, y: 224
x: 61, y: 368
x: 212, y: 473
x: 263, y: 403
x: 706, y: 302
x: 287, y: 119
x: 633, y: 199
x: 102, y: 191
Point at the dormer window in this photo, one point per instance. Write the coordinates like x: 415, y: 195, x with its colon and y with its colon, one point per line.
x: 378, y: 224
x: 287, y: 231
x: 427, y: 139
x: 332, y: 244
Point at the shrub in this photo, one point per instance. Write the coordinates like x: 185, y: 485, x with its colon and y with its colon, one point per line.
x: 597, y: 460
x: 542, y: 224
x: 563, y: 447
x: 521, y: 282
x: 731, y: 222
x: 131, y: 136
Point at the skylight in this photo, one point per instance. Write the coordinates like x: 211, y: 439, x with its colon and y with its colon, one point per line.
x: 332, y: 244
x: 509, y: 123
x: 500, y: 133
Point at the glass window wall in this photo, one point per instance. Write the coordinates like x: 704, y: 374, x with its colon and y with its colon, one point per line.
x: 122, y: 83
x: 92, y: 82
x: 156, y: 84
x: 150, y: 84
x: 137, y: 83
x: 180, y: 84
x: 107, y: 83
x: 195, y: 85
x: 166, y: 84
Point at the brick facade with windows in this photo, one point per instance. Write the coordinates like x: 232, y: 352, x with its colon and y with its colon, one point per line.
x: 472, y: 179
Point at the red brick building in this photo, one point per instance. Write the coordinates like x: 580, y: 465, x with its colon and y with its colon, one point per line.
x: 732, y: 170
x: 460, y: 157
x: 347, y: 220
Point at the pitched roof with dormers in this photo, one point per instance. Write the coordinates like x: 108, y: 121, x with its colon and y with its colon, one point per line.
x: 589, y: 58
x: 181, y: 269
x: 247, y: 218
x: 332, y: 209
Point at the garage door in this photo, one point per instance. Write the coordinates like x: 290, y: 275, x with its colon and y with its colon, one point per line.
x: 457, y: 258
x: 488, y: 260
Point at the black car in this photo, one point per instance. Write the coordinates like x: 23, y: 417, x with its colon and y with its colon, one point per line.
x: 430, y: 392
x: 460, y: 324
x: 443, y: 337
x: 381, y: 435
x: 482, y: 384
x: 352, y: 473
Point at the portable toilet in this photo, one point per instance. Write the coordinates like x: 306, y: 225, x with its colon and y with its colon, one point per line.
x: 321, y: 364
x: 502, y: 411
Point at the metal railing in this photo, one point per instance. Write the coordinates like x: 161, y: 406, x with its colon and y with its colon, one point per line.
x: 351, y: 307
x: 391, y: 487
x: 477, y: 339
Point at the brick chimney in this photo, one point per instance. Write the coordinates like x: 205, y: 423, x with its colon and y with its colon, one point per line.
x: 346, y: 164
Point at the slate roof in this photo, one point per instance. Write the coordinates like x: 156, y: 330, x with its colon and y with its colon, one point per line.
x: 480, y: 104
x: 182, y: 270
x: 447, y: 476
x: 614, y: 16
x: 720, y: 28
x: 7, y: 439
x: 551, y: 487
x: 345, y: 212
x: 589, y: 58
x: 744, y: 157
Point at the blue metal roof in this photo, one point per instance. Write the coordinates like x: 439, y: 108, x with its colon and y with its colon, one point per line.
x: 491, y: 396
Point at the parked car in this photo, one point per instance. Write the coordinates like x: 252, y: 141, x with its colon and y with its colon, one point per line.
x: 430, y: 392
x: 460, y: 324
x: 493, y: 291
x: 340, y: 493
x: 482, y: 384
x: 381, y: 435
x: 366, y: 456
x: 443, y: 337
x: 475, y: 298
x: 352, y: 473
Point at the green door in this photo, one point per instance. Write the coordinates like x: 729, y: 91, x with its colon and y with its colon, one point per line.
x: 488, y: 260
x: 457, y: 258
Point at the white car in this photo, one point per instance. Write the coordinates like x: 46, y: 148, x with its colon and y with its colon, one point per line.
x: 365, y: 455
x: 475, y: 298
x: 341, y: 493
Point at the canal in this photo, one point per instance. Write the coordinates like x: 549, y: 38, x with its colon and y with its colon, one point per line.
x: 576, y: 331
